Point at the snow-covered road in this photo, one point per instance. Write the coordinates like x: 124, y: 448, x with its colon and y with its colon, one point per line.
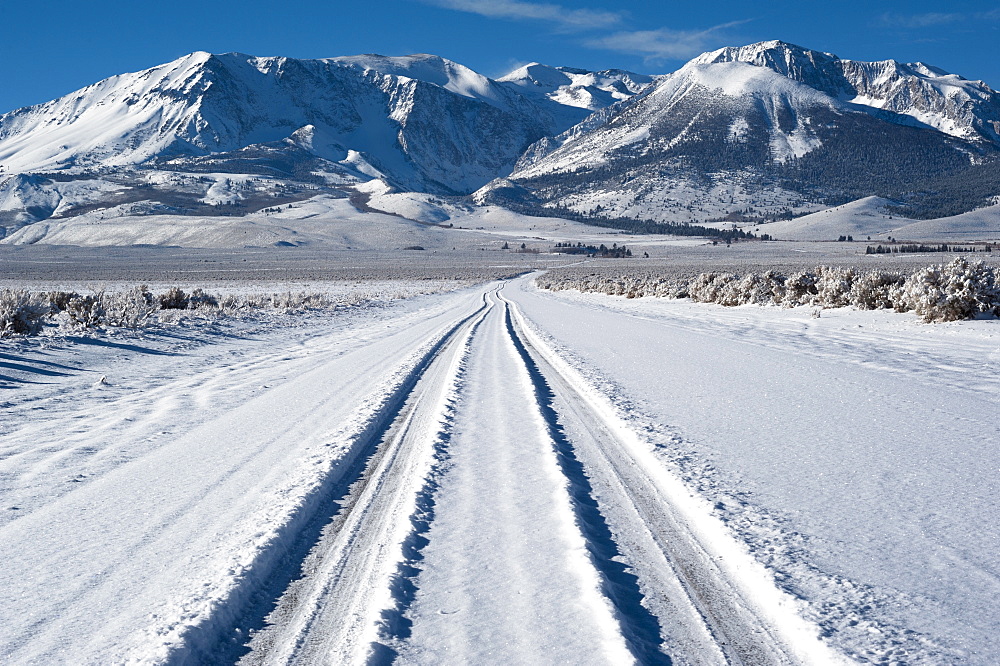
x: 506, y: 475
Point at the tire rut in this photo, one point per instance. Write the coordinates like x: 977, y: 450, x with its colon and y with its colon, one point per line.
x: 326, y: 602
x: 737, y: 625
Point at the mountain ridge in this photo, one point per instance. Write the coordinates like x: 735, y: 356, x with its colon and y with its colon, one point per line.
x: 207, y: 103
x: 763, y: 131
x: 929, y: 95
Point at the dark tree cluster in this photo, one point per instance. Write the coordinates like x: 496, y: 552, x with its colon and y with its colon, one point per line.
x: 613, y: 252
x: 907, y: 248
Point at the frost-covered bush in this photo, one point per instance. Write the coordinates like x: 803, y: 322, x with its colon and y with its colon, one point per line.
x: 833, y: 286
x: 59, y: 300
x: 200, y: 300
x: 26, y: 313
x: 712, y: 288
x: 761, y: 289
x: 174, y: 299
x: 83, y: 311
x: 800, y: 289
x: 875, y: 291
x: 958, y: 290
x: 133, y: 308
x: 21, y: 313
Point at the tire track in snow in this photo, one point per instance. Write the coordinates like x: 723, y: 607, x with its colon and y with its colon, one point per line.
x: 676, y: 584
x: 329, y: 614
x: 640, y: 627
x: 143, y: 566
x: 681, y: 555
x: 503, y: 571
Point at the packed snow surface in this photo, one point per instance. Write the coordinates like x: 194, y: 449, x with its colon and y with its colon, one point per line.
x: 505, y: 474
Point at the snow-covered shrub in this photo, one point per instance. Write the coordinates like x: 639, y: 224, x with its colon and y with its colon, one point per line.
x: 833, y: 286
x: 958, y: 290
x: 727, y: 289
x: 59, y: 300
x: 800, y: 289
x: 83, y: 311
x: 200, y: 300
x: 712, y: 288
x: 133, y: 308
x: 758, y: 289
x: 876, y: 290
x: 174, y: 299
x: 21, y: 313
x: 680, y: 291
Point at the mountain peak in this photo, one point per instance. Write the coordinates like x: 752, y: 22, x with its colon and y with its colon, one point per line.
x: 813, y: 68
x: 538, y: 75
x: 914, y: 93
x: 748, y: 51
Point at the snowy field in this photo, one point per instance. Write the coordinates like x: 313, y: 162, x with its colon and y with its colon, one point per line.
x: 497, y: 473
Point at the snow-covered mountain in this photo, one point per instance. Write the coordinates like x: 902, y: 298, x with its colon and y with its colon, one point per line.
x: 765, y: 131
x: 421, y: 123
x: 578, y: 91
x: 921, y: 94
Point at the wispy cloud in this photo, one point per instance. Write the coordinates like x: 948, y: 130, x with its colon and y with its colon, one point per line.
x: 927, y: 20
x: 935, y: 19
x: 664, y: 43
x: 654, y: 46
x: 562, y: 17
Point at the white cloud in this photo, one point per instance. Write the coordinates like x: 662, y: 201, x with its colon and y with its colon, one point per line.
x: 563, y: 17
x: 927, y: 20
x: 933, y: 19
x: 653, y: 45
x: 664, y: 43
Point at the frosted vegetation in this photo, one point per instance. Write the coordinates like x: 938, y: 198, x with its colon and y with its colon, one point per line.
x: 24, y: 312
x: 958, y: 290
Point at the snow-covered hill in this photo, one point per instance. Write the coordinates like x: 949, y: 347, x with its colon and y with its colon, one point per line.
x: 768, y: 131
x: 578, y: 91
x: 864, y: 218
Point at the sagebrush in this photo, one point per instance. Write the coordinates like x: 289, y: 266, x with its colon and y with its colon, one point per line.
x: 958, y: 290
x: 28, y: 313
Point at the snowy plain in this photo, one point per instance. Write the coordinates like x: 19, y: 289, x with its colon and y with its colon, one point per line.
x: 171, y: 495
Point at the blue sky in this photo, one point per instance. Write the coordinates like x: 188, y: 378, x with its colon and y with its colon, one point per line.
x: 51, y: 48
